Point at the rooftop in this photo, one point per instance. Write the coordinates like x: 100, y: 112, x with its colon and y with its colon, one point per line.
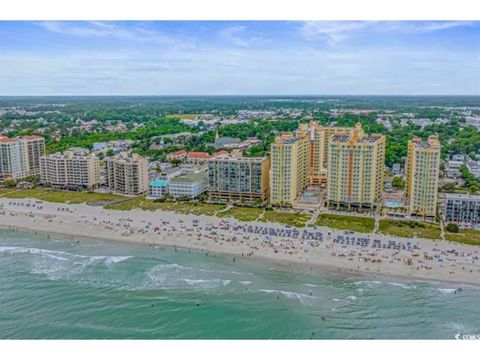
x: 225, y: 140
x: 124, y: 158
x: 230, y: 158
x: 189, y: 178
x: 220, y: 153
x: 370, y: 138
x: 198, y: 155
x: 159, y: 183
x: 462, y: 196
x: 6, y: 139
x: 432, y: 142
x: 72, y: 153
x: 177, y: 153
x: 172, y: 170
x: 341, y: 138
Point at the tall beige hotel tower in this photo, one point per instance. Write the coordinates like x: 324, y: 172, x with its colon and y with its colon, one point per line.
x: 289, y: 168
x: 319, y: 140
x: 422, y: 170
x: 299, y: 160
x: 356, y: 163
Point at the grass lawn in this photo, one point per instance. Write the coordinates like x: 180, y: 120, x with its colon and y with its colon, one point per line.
x: 182, y: 208
x: 242, y: 213
x: 284, y: 217
x: 465, y: 236
x: 126, y: 205
x: 410, y: 229
x: 71, y: 197
x: 347, y: 222
x: 23, y: 194
x: 6, y: 190
x: 196, y: 208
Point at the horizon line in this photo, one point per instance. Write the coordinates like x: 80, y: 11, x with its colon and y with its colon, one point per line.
x: 242, y: 95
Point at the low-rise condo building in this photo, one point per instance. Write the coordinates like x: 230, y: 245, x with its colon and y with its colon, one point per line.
x: 244, y: 179
x: 127, y: 175
x: 453, y: 168
x: 20, y: 157
x: 422, y: 173
x: 188, y: 185
x: 198, y: 157
x: 461, y: 209
x: 74, y: 169
x: 474, y: 168
x: 355, y: 170
x: 158, y: 188
x: 177, y: 155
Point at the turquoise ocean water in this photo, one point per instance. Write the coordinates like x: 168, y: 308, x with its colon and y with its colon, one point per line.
x: 57, y: 289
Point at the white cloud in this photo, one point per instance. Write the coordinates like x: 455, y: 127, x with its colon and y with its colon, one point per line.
x: 108, y: 30
x: 241, y: 71
x: 331, y: 31
x: 334, y: 32
x: 233, y: 35
x: 240, y: 36
x: 423, y: 26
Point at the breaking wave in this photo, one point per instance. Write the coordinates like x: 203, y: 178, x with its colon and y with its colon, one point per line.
x: 60, y: 264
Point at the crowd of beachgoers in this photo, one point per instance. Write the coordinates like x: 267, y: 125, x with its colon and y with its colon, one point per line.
x: 312, y: 247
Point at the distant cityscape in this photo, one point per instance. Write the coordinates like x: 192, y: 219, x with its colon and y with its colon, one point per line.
x: 315, y: 168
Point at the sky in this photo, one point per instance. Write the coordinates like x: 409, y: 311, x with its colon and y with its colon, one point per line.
x: 239, y: 58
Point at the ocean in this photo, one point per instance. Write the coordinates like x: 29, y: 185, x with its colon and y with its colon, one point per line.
x: 54, y: 288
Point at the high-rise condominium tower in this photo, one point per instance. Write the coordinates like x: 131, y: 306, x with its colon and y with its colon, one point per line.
x: 355, y: 169
x: 301, y: 159
x: 74, y: 169
x: 289, y: 171
x: 20, y: 157
x: 422, y: 170
x: 236, y: 178
x: 127, y: 175
x: 319, y: 140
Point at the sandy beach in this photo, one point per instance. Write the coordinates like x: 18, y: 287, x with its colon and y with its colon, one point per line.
x: 321, y: 247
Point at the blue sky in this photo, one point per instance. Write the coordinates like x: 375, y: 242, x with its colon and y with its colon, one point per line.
x: 235, y: 57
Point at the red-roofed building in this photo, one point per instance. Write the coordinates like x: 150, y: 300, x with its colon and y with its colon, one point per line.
x: 198, y: 157
x: 220, y: 153
x: 177, y: 155
x: 6, y: 139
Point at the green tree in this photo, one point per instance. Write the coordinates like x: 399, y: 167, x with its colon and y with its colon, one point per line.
x: 471, y: 183
x: 451, y: 227
x: 447, y: 187
x: 398, y: 183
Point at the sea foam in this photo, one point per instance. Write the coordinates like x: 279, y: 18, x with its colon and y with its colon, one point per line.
x: 56, y: 264
x: 303, y: 298
x: 447, y: 291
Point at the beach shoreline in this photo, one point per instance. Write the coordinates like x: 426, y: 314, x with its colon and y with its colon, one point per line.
x: 174, y: 230
x: 282, y: 264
